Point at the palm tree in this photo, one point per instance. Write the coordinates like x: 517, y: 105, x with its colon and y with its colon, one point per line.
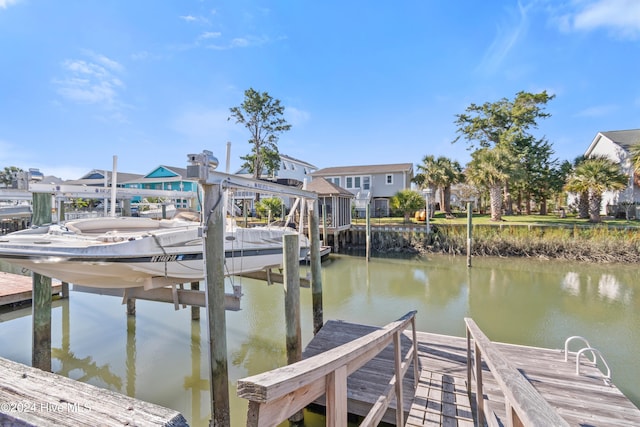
x: 634, y: 153
x: 439, y: 174
x: 490, y: 168
x: 407, y: 201
x: 451, y: 174
x: 594, y: 176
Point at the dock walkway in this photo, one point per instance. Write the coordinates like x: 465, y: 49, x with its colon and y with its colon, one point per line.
x: 15, y: 288
x: 441, y: 397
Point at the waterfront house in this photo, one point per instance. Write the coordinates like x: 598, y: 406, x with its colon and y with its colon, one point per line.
x: 102, y: 178
x: 615, y: 145
x: 334, y: 203
x: 374, y: 184
x: 169, y: 178
x: 292, y: 172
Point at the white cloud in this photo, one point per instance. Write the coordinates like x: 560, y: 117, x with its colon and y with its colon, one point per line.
x: 209, y: 35
x: 93, y: 81
x: 241, y: 42
x: 195, y: 19
x: 295, y: 116
x: 6, y: 3
x: 598, y: 111
x: 507, y: 37
x: 620, y: 17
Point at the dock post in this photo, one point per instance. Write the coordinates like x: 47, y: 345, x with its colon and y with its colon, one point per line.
x: 126, y: 207
x: 316, y: 268
x: 469, y: 216
x: 324, y: 222
x: 195, y: 311
x: 291, y: 264
x: 131, y: 306
x: 368, y: 232
x: 41, y: 295
x: 214, y: 280
x: 65, y: 290
x: 131, y: 355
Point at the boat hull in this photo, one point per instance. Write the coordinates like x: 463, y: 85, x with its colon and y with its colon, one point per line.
x: 134, y: 258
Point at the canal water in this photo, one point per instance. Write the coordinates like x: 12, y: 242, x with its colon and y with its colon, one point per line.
x: 160, y: 355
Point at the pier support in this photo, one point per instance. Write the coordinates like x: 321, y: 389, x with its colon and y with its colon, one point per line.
x: 41, y: 295
x: 316, y: 268
x: 214, y: 262
x: 469, y: 228
x: 195, y: 311
x: 292, y: 303
x: 368, y: 232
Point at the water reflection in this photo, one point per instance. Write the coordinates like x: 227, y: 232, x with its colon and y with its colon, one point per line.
x: 160, y: 355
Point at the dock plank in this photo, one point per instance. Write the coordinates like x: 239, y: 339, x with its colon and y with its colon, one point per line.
x: 31, y: 397
x: 442, y: 399
x: 15, y: 288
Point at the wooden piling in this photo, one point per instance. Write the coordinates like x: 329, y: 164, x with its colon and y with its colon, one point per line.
x: 316, y: 268
x: 195, y: 311
x: 214, y: 279
x: 469, y: 228
x: 41, y: 294
x: 131, y: 306
x: 368, y: 232
x: 291, y: 265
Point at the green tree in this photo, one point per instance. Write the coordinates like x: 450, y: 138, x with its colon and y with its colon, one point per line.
x: 505, y: 123
x: 596, y: 175
x: 263, y: 117
x: 8, y: 175
x: 489, y: 168
x: 534, y: 182
x: 634, y: 157
x: 441, y: 174
x: 406, y: 202
x: 270, y: 207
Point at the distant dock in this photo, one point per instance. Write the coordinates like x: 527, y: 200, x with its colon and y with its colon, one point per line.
x: 16, y: 289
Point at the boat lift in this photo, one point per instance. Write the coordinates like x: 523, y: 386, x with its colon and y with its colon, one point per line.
x: 202, y: 167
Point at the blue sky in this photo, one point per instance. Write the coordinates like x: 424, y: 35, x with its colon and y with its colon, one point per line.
x: 362, y: 82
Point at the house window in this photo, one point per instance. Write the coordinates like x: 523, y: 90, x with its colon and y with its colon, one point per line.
x: 284, y: 166
x: 366, y: 182
x: 357, y: 181
x: 389, y: 179
x: 349, y: 182
x: 335, y: 180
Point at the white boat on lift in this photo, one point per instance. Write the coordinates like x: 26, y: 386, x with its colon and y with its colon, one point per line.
x: 123, y: 252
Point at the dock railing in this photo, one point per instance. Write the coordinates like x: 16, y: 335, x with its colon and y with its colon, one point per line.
x: 524, y: 405
x: 276, y: 395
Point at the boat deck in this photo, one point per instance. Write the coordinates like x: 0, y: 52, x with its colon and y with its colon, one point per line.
x: 442, y: 398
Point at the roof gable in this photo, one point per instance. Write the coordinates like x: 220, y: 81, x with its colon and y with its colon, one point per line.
x: 624, y: 138
x: 325, y: 188
x: 368, y: 169
x: 166, y: 172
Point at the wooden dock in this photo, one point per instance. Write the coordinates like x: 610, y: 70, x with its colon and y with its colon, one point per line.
x: 31, y: 397
x: 15, y: 288
x: 442, y: 397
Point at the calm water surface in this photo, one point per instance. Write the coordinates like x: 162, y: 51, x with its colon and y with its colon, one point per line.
x: 160, y: 355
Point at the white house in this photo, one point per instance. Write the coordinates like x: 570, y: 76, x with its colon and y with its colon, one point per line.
x: 292, y: 172
x: 374, y: 184
x: 615, y: 145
